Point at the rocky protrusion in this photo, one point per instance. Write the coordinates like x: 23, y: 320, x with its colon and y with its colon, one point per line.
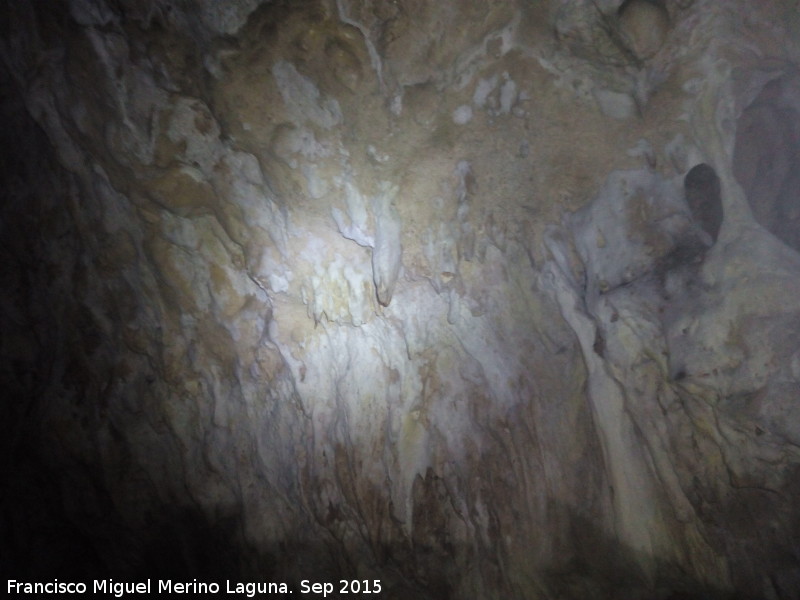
x: 644, y: 24
x: 387, y: 253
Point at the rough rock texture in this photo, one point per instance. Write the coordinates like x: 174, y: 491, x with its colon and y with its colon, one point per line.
x: 426, y: 292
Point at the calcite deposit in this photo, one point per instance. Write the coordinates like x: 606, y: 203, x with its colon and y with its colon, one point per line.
x: 473, y: 298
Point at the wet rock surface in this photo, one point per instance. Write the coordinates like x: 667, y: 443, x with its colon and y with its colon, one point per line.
x: 481, y: 299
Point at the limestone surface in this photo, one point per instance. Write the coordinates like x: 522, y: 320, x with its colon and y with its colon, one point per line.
x: 478, y: 299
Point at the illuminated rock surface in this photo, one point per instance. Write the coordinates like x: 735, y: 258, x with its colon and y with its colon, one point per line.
x: 483, y: 299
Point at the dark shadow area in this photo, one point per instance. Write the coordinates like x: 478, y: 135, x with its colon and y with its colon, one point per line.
x: 40, y: 543
x: 766, y: 159
x: 60, y: 522
x: 702, y: 191
x: 603, y: 568
x: 43, y: 538
x: 181, y: 544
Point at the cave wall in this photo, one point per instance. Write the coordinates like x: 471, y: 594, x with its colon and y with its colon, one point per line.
x: 480, y: 299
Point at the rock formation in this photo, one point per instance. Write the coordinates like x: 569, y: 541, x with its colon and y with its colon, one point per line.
x: 478, y: 299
